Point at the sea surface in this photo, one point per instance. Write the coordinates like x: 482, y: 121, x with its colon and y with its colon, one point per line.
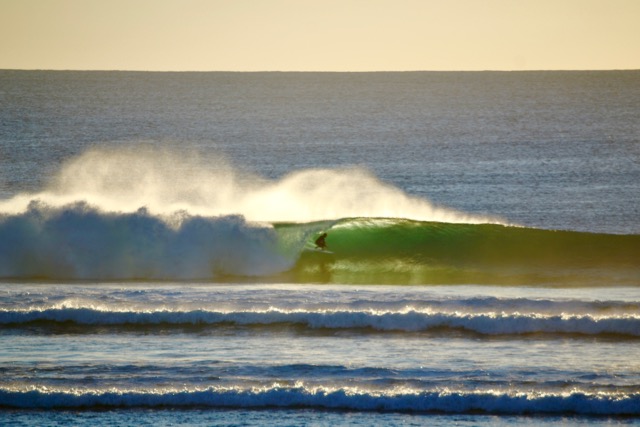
x: 158, y: 266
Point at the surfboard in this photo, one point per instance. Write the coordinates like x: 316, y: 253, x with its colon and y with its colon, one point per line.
x: 324, y: 251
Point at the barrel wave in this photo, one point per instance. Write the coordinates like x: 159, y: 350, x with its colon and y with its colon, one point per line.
x: 397, y: 251
x: 80, y: 242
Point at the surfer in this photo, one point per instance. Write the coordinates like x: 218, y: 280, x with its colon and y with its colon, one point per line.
x: 320, y: 242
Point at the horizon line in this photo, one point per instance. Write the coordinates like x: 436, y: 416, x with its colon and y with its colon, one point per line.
x: 323, y: 71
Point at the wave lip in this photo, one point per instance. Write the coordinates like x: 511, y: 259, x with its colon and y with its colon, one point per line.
x: 300, y: 396
x: 409, y: 320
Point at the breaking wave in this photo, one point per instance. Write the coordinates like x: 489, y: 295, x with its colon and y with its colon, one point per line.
x: 301, y: 396
x: 79, y: 242
x: 142, y: 214
x: 406, y: 320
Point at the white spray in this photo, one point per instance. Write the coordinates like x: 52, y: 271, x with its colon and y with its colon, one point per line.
x: 168, y: 180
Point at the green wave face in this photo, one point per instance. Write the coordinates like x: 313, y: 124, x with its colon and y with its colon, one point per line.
x: 398, y: 251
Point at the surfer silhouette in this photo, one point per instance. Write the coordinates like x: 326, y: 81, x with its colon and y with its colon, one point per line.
x: 320, y: 241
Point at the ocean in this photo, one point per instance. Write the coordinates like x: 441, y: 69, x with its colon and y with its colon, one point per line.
x: 158, y: 266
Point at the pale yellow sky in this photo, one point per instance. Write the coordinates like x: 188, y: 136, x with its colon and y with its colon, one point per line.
x: 319, y: 35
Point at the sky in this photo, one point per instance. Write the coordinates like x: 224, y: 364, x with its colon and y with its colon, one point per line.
x: 319, y: 35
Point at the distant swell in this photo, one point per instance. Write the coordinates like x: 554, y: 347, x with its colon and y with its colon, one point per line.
x: 343, y: 399
x: 407, y: 321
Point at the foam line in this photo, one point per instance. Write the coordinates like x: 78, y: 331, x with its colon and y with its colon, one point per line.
x: 453, y: 402
x: 409, y: 321
x: 81, y: 242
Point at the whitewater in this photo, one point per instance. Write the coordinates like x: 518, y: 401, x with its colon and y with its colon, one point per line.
x: 158, y: 265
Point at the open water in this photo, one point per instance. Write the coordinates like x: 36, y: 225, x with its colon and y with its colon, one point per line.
x: 157, y: 263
